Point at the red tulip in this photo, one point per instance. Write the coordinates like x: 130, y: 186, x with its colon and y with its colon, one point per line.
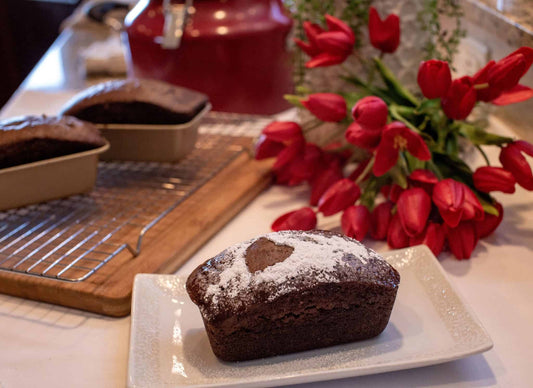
x: 424, y: 179
x: 506, y: 73
x: 490, y: 222
x: 487, y: 93
x: 306, y: 164
x: 527, y: 52
x: 384, y: 34
x: 326, y: 106
x: 489, y: 179
x: 370, y: 112
x: 283, y: 131
x: 323, y: 180
x: 462, y: 239
x: 266, y: 148
x: 395, y: 138
x: 327, y: 48
x: 288, y: 155
x: 311, y: 31
x: 434, y: 78
x: 513, y: 161
x: 502, y: 78
x: 396, y: 236
x: 414, y: 206
x: 284, y: 161
x: 395, y: 192
x: 460, y: 99
x: 449, y: 196
x: 380, y: 220
x: 302, y: 219
x: 472, y: 209
x: 338, y: 197
x: 517, y: 94
x: 362, y: 137
x: 355, y: 222
x: 433, y: 237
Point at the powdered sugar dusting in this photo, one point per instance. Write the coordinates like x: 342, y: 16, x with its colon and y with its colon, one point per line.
x: 316, y: 257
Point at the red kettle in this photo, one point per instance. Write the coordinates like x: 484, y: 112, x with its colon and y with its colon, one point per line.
x: 235, y: 51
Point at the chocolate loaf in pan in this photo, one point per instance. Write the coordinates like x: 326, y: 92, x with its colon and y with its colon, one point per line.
x: 136, y: 101
x: 29, y: 139
x: 292, y: 291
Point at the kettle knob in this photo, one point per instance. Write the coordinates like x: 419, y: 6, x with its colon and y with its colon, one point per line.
x: 175, y: 18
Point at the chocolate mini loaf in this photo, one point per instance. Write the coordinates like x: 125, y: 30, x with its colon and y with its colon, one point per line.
x: 29, y: 139
x: 292, y: 291
x: 136, y: 101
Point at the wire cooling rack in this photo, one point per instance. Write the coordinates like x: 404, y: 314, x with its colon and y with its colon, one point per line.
x: 70, y: 239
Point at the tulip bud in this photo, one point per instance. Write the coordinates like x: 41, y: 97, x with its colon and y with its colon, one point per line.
x: 384, y: 34
x: 303, y: 167
x: 434, y: 78
x: 433, y: 237
x: 460, y: 99
x: 396, y: 236
x: 395, y: 192
x: 489, y: 179
x: 472, y: 208
x: 490, y: 222
x: 448, y: 196
x: 380, y: 220
x: 362, y: 137
x: 338, y: 197
x: 371, y: 113
x: 413, y: 207
x: 323, y: 180
x: 283, y: 131
x: 513, y: 161
x: 302, y: 219
x: 424, y: 179
x: 355, y: 222
x: 326, y: 106
x: 266, y: 148
x: 311, y: 30
x: 462, y: 239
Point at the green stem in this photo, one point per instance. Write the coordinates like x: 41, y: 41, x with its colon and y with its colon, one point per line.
x: 435, y: 169
x: 404, y: 164
x: 483, y: 154
x: 367, y: 169
x: 395, y: 113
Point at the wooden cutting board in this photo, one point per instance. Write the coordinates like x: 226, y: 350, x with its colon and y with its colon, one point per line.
x: 165, y: 247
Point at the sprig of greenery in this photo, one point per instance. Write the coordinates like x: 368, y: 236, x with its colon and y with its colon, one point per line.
x: 441, y: 44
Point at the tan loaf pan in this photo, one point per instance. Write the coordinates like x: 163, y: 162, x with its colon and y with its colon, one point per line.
x: 49, y: 179
x: 155, y: 143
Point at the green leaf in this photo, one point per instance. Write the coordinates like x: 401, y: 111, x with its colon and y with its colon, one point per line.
x: 405, y: 97
x: 303, y: 90
x: 294, y: 100
x: 398, y: 177
x: 479, y: 136
x: 413, y: 162
x: 427, y: 106
x: 352, y: 98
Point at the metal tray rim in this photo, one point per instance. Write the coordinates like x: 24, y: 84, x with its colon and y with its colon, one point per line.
x: 154, y: 127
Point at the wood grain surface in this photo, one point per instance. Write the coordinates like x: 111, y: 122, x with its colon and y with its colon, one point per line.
x: 165, y: 247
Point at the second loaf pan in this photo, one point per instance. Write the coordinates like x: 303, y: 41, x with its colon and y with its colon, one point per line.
x: 156, y: 143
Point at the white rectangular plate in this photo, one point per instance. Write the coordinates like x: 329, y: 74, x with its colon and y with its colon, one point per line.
x: 430, y: 324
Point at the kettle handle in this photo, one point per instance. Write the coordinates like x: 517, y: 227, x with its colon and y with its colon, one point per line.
x: 175, y: 18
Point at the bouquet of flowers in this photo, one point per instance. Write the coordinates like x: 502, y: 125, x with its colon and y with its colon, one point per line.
x: 412, y: 187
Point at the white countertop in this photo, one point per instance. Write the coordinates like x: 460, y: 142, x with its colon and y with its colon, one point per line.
x: 51, y: 346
